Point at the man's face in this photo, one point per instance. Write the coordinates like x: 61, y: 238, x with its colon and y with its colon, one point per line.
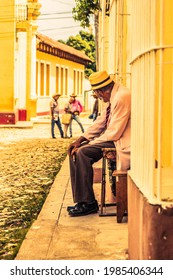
x: 56, y: 97
x: 71, y: 100
x: 103, y: 95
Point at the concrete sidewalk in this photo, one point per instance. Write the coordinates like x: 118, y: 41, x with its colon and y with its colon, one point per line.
x: 57, y: 236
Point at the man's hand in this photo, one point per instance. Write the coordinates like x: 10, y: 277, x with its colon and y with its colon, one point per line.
x: 75, y: 145
x: 76, y: 113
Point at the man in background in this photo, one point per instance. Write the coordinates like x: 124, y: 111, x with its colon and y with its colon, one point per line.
x: 75, y: 107
x: 94, y: 113
x: 54, y: 109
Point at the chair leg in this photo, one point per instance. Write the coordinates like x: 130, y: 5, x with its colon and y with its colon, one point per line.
x: 103, y: 185
x: 103, y: 192
x: 120, y: 186
x: 121, y: 198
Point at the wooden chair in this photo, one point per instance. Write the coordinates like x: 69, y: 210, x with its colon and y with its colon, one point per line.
x: 118, y: 182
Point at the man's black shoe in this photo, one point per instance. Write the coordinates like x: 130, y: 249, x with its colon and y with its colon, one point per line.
x: 80, y: 203
x: 71, y: 207
x: 84, y: 209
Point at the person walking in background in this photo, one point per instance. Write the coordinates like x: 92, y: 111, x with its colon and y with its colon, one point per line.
x: 94, y: 113
x: 54, y: 109
x: 110, y: 130
x: 68, y: 120
x: 75, y: 107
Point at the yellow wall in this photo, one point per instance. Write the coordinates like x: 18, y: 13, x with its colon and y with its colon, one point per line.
x: 7, y: 39
x: 165, y: 85
x: 114, y: 41
x: 164, y: 67
x: 70, y: 66
x: 152, y: 98
x: 15, y: 92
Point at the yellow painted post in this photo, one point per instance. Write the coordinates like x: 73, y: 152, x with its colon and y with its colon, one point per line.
x: 7, y: 38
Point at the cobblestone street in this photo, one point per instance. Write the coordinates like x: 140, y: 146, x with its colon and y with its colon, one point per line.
x: 30, y: 160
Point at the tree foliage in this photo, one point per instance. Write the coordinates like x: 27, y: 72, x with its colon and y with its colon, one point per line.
x: 85, y: 42
x: 84, y: 9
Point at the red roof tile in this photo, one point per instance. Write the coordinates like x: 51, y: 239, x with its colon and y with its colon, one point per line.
x: 60, y: 46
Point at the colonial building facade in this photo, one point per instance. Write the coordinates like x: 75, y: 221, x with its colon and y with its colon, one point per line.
x: 33, y: 66
x: 17, y: 59
x: 59, y: 68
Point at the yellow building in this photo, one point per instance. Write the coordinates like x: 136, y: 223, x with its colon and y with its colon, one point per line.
x: 113, y: 45
x: 59, y: 68
x: 17, y: 59
x: 137, y: 40
x: 32, y: 69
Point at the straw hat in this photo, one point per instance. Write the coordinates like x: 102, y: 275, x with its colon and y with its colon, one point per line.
x: 73, y: 95
x: 56, y: 94
x: 99, y: 80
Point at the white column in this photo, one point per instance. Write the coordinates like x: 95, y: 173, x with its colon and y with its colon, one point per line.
x: 33, y: 68
x: 21, y: 70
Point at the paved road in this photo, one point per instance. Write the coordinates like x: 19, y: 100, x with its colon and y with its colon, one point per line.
x: 39, y: 131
